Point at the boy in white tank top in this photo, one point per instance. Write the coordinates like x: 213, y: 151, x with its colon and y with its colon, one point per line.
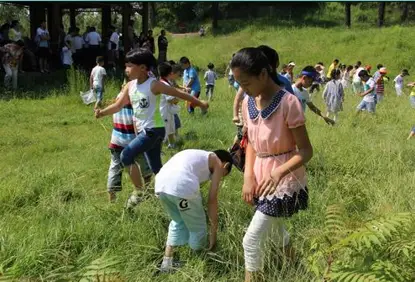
x: 143, y: 93
x: 178, y: 188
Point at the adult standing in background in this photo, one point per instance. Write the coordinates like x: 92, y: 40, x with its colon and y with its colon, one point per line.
x: 162, y: 46
x: 113, y: 46
x: 93, y: 39
x: 42, y: 39
x: 150, y: 39
x: 77, y: 47
x: 15, y: 35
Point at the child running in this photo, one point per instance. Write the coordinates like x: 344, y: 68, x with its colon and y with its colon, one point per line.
x: 96, y: 81
x: 210, y: 78
x: 178, y: 188
x: 399, y: 82
x: 143, y: 92
x: 369, y: 95
x: 278, y: 147
x: 124, y: 131
x: 378, y: 77
x: 333, y: 95
x: 168, y: 104
x: 307, y: 76
x: 346, y: 77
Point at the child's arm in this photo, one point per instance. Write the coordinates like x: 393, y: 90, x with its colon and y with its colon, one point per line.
x: 205, y: 76
x: 91, y: 81
x: 366, y: 92
x: 236, y: 104
x: 250, y: 184
x: 216, y: 166
x: 115, y: 107
x: 304, y: 154
x: 317, y: 111
x: 158, y: 88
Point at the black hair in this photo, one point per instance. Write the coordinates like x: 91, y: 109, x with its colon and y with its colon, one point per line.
x: 164, y: 69
x: 176, y: 68
x: 93, y: 28
x: 171, y: 62
x: 184, y: 60
x: 225, y: 157
x: 363, y: 73
x: 334, y: 73
x: 14, y: 23
x: 141, y: 56
x: 20, y: 43
x: 100, y: 59
x: 320, y: 63
x: 336, y: 60
x: 356, y: 66
x: 349, y: 68
x: 379, y: 66
x: 211, y: 66
x: 273, y: 59
x: 359, y: 63
x: 251, y: 61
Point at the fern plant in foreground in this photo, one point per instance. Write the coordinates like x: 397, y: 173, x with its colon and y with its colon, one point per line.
x: 380, y: 250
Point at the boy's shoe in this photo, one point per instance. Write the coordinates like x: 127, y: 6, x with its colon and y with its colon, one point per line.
x: 171, y: 269
x: 133, y: 201
x: 171, y: 146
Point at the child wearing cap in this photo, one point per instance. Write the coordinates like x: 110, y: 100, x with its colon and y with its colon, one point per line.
x: 307, y: 76
x: 378, y: 77
x: 399, y: 82
x: 369, y: 95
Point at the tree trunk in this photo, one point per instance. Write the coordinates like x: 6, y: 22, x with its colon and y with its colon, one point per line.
x: 215, y: 14
x: 348, y: 14
x: 381, y: 14
x: 153, y: 14
x: 404, y: 12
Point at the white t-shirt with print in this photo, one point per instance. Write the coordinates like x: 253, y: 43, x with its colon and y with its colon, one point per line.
x: 302, y: 95
x: 398, y: 81
x: 93, y: 38
x: 370, y: 98
x: 182, y: 175
x: 66, y: 56
x: 115, y: 38
x: 98, y: 74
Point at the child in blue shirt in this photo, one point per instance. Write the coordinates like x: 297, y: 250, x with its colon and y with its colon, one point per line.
x: 190, y: 81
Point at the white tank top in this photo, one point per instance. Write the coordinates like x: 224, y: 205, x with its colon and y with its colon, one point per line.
x: 182, y: 175
x: 146, y: 105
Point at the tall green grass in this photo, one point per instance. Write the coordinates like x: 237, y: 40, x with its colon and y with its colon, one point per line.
x: 56, y: 224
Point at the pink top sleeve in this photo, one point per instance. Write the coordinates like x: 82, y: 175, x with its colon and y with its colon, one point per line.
x: 293, y: 112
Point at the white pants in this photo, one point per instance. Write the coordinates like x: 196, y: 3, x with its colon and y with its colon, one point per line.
x: 11, y: 74
x: 262, y: 228
x: 398, y: 90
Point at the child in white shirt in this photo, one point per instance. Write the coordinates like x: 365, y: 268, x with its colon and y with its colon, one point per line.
x: 177, y: 186
x: 210, y: 78
x: 67, y: 55
x: 96, y: 80
x: 168, y: 104
x: 399, y: 82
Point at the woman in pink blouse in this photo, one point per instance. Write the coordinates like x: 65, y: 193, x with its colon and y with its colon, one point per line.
x: 278, y: 148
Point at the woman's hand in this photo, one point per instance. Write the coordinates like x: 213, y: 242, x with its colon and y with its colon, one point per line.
x: 269, y: 184
x: 249, y: 189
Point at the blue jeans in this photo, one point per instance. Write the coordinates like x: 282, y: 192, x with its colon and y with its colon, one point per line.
x: 147, y: 142
x: 98, y: 93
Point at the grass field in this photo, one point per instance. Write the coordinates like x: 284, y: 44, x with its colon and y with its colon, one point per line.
x: 56, y: 223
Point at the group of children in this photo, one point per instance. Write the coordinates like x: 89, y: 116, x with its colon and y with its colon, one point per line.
x: 144, y: 114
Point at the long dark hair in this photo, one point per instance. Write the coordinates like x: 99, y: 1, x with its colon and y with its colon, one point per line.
x: 273, y: 59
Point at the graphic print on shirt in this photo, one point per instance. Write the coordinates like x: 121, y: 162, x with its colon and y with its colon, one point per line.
x: 184, y: 205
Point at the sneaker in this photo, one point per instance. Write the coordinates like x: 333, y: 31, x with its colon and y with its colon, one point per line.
x: 176, y: 265
x: 171, y: 146
x: 133, y: 201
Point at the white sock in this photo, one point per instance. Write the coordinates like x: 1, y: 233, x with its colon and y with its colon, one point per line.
x: 167, y: 263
